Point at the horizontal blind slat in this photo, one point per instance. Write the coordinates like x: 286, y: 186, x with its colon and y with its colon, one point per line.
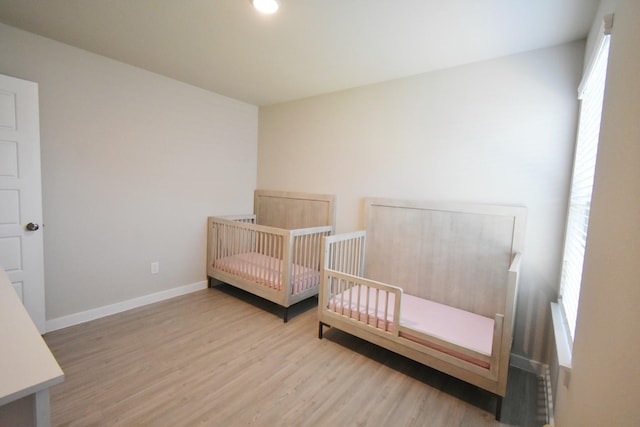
x: 582, y: 186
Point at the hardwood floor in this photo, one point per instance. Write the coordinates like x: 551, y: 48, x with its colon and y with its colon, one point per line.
x: 221, y: 357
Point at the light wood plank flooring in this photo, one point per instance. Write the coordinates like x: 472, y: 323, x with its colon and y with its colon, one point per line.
x: 221, y: 357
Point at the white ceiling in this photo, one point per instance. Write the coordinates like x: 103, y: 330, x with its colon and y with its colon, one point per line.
x: 309, y: 47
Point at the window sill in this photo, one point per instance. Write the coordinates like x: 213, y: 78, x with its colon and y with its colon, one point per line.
x: 563, y: 343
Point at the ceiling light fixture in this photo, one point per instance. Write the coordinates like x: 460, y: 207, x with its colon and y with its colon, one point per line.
x: 266, y: 6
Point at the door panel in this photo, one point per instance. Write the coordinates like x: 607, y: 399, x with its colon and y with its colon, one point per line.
x: 20, y: 194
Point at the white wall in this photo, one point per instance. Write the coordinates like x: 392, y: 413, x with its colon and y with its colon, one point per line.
x: 132, y: 164
x: 500, y: 131
x: 605, y: 377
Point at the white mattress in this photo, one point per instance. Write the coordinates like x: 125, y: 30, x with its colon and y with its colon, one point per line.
x: 267, y: 271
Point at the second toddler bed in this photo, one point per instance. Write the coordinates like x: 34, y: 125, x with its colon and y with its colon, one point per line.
x: 275, y: 252
x: 438, y: 285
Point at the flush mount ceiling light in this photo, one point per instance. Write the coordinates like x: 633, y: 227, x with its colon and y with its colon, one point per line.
x: 266, y: 6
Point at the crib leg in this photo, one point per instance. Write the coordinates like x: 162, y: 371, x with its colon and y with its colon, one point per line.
x: 321, y: 330
x: 285, y: 317
x: 499, y: 408
x: 209, y: 284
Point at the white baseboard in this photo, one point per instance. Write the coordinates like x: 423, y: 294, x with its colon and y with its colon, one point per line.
x: 107, y: 310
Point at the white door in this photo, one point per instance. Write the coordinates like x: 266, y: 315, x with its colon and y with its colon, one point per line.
x: 21, y: 253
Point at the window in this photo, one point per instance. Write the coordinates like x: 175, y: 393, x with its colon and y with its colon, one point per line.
x: 591, y: 94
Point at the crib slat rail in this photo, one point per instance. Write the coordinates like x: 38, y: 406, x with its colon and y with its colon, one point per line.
x: 345, y: 252
x: 280, y: 265
x: 229, y: 238
x: 304, y: 264
x: 349, y: 297
x: 249, y: 218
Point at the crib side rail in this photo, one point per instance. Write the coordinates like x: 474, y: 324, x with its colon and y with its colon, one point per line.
x: 358, y: 299
x: 249, y: 218
x: 503, y: 332
x: 227, y: 237
x: 345, y: 253
x: 503, y: 348
x: 304, y: 256
x: 513, y: 276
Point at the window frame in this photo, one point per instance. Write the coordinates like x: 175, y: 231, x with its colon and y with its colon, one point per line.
x: 591, y: 95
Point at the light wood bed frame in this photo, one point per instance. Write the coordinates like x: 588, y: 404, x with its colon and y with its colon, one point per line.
x: 463, y: 256
x: 285, y: 234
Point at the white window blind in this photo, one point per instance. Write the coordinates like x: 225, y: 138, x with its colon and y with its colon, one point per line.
x: 591, y: 93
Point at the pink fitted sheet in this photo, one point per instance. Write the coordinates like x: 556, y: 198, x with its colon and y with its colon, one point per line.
x: 267, y: 271
x: 459, y: 327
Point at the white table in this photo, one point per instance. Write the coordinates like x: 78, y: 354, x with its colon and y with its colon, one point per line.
x: 27, y: 367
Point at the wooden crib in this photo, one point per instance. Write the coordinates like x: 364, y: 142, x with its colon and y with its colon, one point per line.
x: 274, y: 253
x: 438, y: 285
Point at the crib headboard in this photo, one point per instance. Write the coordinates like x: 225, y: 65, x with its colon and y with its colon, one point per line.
x: 452, y: 253
x: 291, y: 210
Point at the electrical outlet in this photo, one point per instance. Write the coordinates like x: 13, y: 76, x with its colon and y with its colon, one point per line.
x: 155, y: 267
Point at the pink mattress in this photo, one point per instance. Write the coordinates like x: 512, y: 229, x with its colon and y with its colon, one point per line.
x: 447, y: 323
x: 267, y: 271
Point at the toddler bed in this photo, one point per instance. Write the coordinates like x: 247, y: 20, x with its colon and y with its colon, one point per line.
x: 275, y: 252
x: 440, y: 285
